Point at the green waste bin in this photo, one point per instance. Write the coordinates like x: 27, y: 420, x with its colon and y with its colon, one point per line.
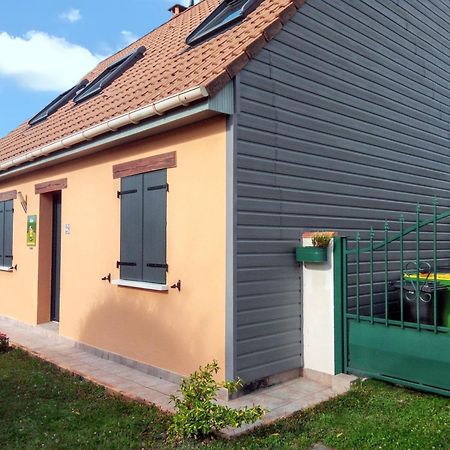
x: 446, y: 311
x: 443, y: 279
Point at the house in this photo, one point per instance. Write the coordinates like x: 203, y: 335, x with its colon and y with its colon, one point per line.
x: 153, y: 209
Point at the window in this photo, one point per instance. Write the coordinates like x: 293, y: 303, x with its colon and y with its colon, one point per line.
x: 60, y: 101
x: 143, y: 227
x: 6, y: 233
x: 228, y: 13
x: 112, y: 72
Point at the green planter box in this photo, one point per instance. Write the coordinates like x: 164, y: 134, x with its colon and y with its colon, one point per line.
x: 311, y: 254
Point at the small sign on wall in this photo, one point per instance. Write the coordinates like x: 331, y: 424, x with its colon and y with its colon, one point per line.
x: 31, y: 231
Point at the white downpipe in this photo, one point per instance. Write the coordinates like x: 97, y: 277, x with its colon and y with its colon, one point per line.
x: 133, y: 117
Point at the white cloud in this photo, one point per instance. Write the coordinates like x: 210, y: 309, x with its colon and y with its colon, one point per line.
x: 128, y: 37
x: 71, y: 15
x: 41, y: 62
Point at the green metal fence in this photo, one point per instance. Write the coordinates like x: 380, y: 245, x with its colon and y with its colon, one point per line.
x: 395, y: 301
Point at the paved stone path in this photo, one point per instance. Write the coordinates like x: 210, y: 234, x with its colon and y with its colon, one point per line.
x: 281, y: 400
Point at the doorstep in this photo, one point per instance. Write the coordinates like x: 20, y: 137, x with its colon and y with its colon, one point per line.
x: 281, y: 400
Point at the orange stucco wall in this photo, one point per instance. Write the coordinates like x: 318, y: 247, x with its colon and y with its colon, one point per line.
x: 176, y: 331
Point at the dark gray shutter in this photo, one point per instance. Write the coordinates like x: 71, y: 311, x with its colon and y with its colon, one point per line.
x: 2, y: 233
x: 131, y: 228
x: 8, y: 234
x: 155, y: 218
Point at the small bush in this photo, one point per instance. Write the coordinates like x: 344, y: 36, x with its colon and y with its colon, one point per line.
x: 198, y: 415
x: 4, y: 343
x: 321, y: 239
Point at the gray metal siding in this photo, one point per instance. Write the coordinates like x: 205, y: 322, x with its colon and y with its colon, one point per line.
x: 343, y: 122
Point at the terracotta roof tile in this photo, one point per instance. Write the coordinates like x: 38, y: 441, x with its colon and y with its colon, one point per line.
x: 168, y: 67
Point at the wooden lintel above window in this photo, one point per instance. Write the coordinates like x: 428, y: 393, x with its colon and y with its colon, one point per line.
x: 10, y: 195
x: 50, y: 186
x: 150, y: 164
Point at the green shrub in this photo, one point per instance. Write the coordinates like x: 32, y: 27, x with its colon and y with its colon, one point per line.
x: 197, y: 413
x: 321, y: 239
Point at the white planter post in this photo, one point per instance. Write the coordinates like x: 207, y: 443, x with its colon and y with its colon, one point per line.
x: 318, y: 313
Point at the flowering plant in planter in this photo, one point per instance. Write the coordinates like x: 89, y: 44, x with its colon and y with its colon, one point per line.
x: 321, y: 239
x: 318, y: 252
x: 4, y: 343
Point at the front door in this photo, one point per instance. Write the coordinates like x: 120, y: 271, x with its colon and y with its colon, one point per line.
x: 56, y: 257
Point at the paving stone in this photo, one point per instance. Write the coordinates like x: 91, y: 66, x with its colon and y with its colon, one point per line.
x: 298, y: 389
x: 269, y: 401
x: 165, y: 387
x: 290, y: 408
x: 146, y: 380
x: 280, y: 401
x: 323, y: 396
x: 127, y: 386
x: 112, y: 379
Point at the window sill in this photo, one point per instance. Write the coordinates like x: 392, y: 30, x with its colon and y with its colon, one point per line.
x: 6, y: 269
x: 141, y: 285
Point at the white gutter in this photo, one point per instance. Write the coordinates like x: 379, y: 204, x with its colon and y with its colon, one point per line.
x: 134, y: 117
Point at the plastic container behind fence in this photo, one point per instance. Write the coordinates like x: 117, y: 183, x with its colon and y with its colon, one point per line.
x: 426, y: 301
x: 443, y: 278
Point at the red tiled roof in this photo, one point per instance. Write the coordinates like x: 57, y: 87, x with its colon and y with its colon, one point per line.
x: 168, y: 67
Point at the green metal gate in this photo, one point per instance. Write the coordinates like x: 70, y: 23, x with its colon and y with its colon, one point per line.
x: 394, y: 305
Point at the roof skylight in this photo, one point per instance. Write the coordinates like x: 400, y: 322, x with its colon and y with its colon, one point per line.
x: 228, y: 13
x: 112, y: 72
x: 59, y: 101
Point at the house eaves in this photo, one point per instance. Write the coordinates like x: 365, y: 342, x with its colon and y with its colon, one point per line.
x: 154, y: 119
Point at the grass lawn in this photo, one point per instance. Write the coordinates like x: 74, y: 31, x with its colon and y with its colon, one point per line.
x: 41, y: 407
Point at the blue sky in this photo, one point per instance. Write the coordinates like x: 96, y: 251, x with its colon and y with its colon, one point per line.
x: 47, y: 45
